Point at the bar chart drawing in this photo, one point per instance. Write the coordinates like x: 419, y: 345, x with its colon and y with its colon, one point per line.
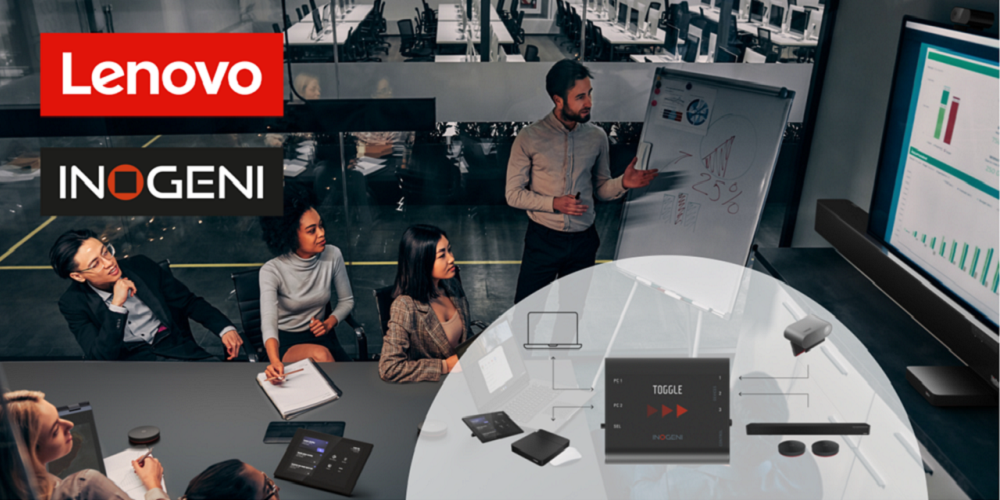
x: 969, y: 258
x: 952, y: 115
x: 941, y: 112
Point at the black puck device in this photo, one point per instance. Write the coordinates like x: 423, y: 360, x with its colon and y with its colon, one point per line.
x: 666, y: 411
x: 540, y: 446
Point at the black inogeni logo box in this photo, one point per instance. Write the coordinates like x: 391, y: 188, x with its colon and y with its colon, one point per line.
x: 162, y: 181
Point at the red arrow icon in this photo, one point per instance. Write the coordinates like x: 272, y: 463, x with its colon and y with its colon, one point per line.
x: 650, y: 410
x: 681, y: 410
x: 666, y: 409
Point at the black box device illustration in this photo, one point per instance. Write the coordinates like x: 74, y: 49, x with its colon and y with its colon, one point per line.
x: 667, y: 411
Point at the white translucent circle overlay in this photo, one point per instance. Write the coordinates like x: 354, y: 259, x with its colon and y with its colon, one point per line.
x: 677, y: 307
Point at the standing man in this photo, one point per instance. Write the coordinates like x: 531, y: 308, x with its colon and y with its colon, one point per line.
x: 557, y: 166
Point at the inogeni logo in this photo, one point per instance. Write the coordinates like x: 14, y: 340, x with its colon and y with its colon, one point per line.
x: 161, y: 74
x: 162, y: 181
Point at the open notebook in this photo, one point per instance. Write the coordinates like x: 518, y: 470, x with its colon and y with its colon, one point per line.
x: 300, y: 392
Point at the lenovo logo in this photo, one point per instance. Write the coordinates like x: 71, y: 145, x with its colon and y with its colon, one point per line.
x: 162, y: 181
x: 133, y: 74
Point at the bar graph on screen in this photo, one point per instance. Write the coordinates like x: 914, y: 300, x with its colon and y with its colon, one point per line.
x: 969, y: 257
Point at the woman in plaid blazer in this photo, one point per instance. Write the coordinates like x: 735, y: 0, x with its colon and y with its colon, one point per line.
x: 430, y: 315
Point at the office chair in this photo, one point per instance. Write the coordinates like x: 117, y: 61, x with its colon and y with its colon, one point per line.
x: 247, y: 285
x: 305, y: 10
x: 299, y: 12
x: 411, y: 46
x: 245, y: 350
x: 288, y: 22
x: 764, y: 39
x: 531, y: 54
x: 691, y: 48
x: 792, y: 3
x: 724, y: 55
x: 276, y: 28
x: 499, y: 5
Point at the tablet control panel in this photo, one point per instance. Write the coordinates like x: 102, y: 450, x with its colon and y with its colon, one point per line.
x: 667, y: 410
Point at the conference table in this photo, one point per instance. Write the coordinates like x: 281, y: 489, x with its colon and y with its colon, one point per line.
x: 302, y: 32
x: 210, y: 412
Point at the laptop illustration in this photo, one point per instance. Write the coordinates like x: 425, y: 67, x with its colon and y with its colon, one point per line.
x: 553, y: 330
x: 499, y: 381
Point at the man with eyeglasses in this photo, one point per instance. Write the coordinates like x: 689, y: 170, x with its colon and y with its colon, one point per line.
x: 131, y: 309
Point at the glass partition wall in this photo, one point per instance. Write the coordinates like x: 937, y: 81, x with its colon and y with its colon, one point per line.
x: 372, y: 181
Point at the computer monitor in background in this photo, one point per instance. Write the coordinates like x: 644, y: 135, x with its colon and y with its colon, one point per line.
x: 756, y: 11
x: 633, y: 21
x: 670, y: 39
x: 691, y: 48
x: 623, y: 14
x: 777, y: 17
x: 799, y: 22
x: 935, y: 203
x: 317, y: 20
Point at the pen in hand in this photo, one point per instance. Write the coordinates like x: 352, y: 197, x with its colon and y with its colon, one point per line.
x: 144, y: 457
x: 285, y: 375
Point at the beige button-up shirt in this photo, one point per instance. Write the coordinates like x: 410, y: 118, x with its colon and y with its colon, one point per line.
x: 548, y: 161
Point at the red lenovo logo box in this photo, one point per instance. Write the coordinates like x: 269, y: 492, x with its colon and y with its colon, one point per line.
x: 162, y: 74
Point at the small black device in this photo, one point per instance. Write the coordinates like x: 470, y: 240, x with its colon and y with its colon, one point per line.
x: 950, y: 386
x: 809, y: 429
x: 792, y: 448
x: 323, y: 461
x: 825, y: 448
x: 144, y: 435
x: 540, y: 446
x: 491, y: 426
x: 86, y: 452
x: 282, y: 432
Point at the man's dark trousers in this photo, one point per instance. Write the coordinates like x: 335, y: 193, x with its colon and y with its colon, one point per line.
x: 550, y: 254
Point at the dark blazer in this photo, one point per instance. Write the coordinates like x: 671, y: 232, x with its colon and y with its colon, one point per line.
x: 416, y: 343
x: 101, y: 332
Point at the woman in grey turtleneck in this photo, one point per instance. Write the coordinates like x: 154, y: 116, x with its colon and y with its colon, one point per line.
x: 296, y: 285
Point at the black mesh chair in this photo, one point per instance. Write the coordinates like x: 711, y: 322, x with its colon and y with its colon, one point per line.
x: 764, y: 40
x: 288, y: 22
x: 411, y: 46
x: 276, y: 28
x: 247, y: 285
x: 298, y: 12
x: 244, y: 350
x: 305, y: 10
x: 531, y: 54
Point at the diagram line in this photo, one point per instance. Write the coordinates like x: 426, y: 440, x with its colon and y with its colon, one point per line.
x: 554, y: 409
x: 780, y: 378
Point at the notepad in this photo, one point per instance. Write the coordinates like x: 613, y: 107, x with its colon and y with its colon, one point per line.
x: 119, y: 470
x: 300, y: 392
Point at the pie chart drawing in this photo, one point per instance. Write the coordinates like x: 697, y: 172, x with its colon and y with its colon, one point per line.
x: 697, y: 112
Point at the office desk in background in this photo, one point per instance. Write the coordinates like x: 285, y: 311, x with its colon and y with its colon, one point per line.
x: 449, y: 12
x: 301, y: 32
x: 210, y: 412
x: 462, y: 58
x: 963, y: 440
x: 449, y: 33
